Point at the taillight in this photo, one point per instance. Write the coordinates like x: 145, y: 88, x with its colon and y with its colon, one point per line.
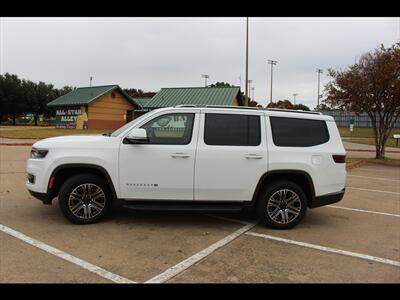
x: 339, y: 158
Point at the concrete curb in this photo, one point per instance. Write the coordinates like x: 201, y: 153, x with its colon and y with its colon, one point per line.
x: 368, y: 150
x: 16, y: 144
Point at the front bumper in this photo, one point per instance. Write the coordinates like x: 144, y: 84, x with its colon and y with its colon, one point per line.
x: 44, y: 197
x: 327, y: 199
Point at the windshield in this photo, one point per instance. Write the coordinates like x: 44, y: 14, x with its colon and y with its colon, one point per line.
x: 127, y: 125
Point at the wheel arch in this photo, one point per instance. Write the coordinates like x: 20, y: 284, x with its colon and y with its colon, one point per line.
x: 302, y: 178
x: 64, y: 171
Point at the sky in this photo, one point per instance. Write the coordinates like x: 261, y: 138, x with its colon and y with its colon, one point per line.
x: 152, y: 53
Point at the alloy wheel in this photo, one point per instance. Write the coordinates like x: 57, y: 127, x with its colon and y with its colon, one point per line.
x: 284, y: 206
x: 87, y: 201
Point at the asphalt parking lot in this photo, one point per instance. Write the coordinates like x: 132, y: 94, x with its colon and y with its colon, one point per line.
x: 355, y: 240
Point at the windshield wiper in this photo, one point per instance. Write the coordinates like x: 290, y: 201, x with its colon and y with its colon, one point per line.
x: 107, y: 134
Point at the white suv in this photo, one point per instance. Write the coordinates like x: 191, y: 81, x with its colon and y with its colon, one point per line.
x: 211, y: 158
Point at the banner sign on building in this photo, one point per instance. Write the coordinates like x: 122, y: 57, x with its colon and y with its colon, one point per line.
x: 66, y: 118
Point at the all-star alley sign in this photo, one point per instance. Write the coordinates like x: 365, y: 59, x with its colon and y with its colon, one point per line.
x: 66, y: 118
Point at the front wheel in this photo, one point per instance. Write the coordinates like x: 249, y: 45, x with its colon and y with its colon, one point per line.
x: 282, y: 205
x: 84, y: 199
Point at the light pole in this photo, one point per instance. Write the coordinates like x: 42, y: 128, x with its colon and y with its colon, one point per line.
x: 252, y: 89
x: 272, y: 63
x: 246, y: 92
x: 250, y: 81
x: 319, y: 71
x: 91, y: 81
x: 205, y: 76
x: 294, y: 99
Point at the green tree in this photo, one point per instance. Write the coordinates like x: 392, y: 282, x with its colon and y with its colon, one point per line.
x: 301, y: 107
x: 10, y: 96
x: 220, y: 84
x: 283, y: 104
x: 24, y: 96
x: 323, y: 107
x: 371, y: 85
x: 139, y: 93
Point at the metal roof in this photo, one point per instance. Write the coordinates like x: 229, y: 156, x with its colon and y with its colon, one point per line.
x: 142, y: 101
x: 168, y: 97
x: 86, y: 95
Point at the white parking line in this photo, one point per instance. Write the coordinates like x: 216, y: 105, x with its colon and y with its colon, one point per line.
x: 68, y: 257
x: 377, y: 178
x: 182, y: 266
x: 369, y: 190
x: 328, y: 249
x: 365, y: 211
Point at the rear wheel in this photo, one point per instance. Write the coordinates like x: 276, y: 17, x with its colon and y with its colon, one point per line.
x: 85, y: 199
x: 282, y: 205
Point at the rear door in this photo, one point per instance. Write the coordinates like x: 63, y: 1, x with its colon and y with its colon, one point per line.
x: 231, y: 155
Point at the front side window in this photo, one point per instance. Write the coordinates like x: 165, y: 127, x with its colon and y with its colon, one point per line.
x: 172, y: 129
x: 232, y: 130
x: 293, y: 132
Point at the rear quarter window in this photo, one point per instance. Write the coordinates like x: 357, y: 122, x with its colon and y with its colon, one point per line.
x: 294, y: 132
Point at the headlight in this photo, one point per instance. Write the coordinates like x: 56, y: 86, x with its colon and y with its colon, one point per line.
x: 38, y: 153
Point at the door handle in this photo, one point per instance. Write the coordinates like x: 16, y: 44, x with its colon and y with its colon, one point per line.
x: 180, y: 155
x: 253, y: 156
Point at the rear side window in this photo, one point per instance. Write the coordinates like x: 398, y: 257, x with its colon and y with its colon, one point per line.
x: 232, y: 130
x: 291, y: 132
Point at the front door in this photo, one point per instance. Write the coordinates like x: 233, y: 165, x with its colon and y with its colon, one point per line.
x: 161, y: 169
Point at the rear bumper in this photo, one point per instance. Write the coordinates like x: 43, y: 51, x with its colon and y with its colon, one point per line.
x: 44, y: 197
x: 327, y: 199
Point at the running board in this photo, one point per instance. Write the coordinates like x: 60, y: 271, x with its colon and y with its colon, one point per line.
x: 183, y: 206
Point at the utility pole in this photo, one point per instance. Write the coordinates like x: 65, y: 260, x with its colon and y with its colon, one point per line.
x: 205, y: 76
x: 319, y: 71
x: 272, y: 63
x: 294, y: 99
x: 247, y: 63
x: 90, y: 81
x: 250, y: 81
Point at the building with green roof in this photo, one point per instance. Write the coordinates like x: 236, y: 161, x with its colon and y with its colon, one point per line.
x: 109, y: 107
x: 97, y: 107
x: 167, y: 97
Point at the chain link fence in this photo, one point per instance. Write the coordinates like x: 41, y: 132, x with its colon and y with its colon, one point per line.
x: 343, y: 119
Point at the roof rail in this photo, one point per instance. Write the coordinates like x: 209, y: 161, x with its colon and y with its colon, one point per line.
x: 252, y: 108
x: 294, y: 111
x: 217, y: 106
x: 233, y: 107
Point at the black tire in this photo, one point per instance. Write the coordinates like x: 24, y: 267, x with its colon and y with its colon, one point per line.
x: 266, y: 205
x: 75, y: 184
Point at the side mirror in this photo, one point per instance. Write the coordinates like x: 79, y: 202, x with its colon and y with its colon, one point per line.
x: 137, y: 136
